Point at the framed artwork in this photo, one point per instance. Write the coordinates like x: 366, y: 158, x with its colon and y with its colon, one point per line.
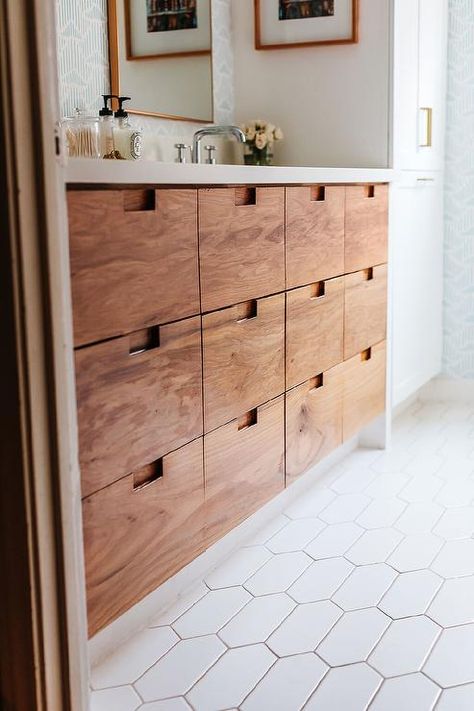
x: 167, y: 28
x: 281, y: 24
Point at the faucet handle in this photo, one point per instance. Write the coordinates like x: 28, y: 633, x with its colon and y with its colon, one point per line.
x: 182, y: 148
x: 211, y: 159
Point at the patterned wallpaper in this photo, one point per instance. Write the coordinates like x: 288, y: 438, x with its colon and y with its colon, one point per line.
x: 83, y: 61
x: 459, y: 220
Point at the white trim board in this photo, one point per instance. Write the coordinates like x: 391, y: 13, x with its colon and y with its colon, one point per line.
x: 140, y: 615
x: 447, y: 389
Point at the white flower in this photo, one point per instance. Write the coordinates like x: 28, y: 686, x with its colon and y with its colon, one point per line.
x: 270, y: 128
x: 250, y: 133
x: 261, y: 140
x: 278, y: 134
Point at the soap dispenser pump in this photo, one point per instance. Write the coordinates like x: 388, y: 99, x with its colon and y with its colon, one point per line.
x: 106, y: 128
x: 127, y: 138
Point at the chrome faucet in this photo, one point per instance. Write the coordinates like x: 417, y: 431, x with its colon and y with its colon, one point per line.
x: 214, y: 131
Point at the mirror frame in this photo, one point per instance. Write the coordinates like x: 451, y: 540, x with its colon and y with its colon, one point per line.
x: 114, y: 62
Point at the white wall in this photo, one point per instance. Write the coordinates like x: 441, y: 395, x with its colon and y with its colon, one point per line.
x: 332, y: 102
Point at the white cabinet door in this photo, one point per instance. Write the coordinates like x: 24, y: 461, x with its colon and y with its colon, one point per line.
x: 416, y: 238
x: 420, y: 67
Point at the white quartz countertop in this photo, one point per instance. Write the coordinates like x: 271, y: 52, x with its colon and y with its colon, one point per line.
x: 87, y: 171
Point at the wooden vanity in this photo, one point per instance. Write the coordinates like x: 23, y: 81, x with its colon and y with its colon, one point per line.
x: 227, y: 338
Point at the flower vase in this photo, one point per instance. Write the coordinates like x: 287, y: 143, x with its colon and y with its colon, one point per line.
x: 258, y: 156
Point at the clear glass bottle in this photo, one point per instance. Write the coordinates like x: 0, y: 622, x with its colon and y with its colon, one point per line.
x: 106, y: 128
x: 127, y: 138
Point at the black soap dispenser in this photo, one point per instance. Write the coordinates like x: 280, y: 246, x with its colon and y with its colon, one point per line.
x: 106, y: 128
x: 127, y: 138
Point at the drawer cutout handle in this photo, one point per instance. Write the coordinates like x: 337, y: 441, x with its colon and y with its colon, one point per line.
x: 250, y: 310
x: 248, y: 420
x: 318, y: 193
x: 316, y: 382
x: 370, y: 191
x: 366, y: 355
x: 318, y: 290
x: 139, y: 200
x: 245, y: 196
x: 143, y: 341
x: 147, y: 475
x: 368, y: 274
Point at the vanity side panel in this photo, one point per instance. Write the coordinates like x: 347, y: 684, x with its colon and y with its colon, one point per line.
x: 134, y: 259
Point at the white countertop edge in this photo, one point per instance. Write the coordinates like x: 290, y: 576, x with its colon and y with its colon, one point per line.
x: 88, y: 171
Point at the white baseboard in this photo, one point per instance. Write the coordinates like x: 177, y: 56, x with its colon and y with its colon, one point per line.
x: 140, y: 615
x: 445, y: 389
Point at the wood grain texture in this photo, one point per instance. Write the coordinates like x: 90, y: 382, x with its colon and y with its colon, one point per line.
x: 136, y: 539
x: 315, y: 234
x: 242, y: 250
x: 131, y: 269
x: 313, y: 422
x: 364, y: 390
x: 133, y: 409
x: 314, y: 331
x: 244, y: 359
x: 243, y: 468
x: 366, y: 240
x: 365, y: 310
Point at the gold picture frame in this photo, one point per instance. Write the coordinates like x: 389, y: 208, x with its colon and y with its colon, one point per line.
x: 352, y: 38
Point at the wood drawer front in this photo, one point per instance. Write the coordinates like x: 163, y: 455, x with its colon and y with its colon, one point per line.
x: 313, y: 421
x: 314, y: 330
x: 242, y: 246
x: 315, y: 233
x: 364, y: 389
x: 244, y: 467
x: 132, y: 267
x: 133, y: 409
x: 365, y: 309
x: 366, y: 226
x: 244, y: 358
x: 135, y: 539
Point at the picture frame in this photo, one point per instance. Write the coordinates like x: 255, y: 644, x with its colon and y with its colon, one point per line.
x: 157, y: 29
x: 287, y: 24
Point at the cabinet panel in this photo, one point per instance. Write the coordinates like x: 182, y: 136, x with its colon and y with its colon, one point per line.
x: 315, y: 233
x: 366, y: 240
x: 314, y: 329
x: 417, y: 281
x: 134, y: 260
x: 139, y: 397
x: 136, y: 537
x: 244, y: 467
x: 244, y: 352
x: 364, y: 389
x: 313, y: 421
x: 365, y: 309
x: 242, y: 252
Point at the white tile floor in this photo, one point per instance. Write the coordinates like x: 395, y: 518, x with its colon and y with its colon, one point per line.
x: 360, y: 596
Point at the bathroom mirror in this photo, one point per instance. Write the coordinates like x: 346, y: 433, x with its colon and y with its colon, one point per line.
x: 161, y: 55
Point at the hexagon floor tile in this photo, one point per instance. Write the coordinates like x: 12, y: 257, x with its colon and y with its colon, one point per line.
x: 360, y: 596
